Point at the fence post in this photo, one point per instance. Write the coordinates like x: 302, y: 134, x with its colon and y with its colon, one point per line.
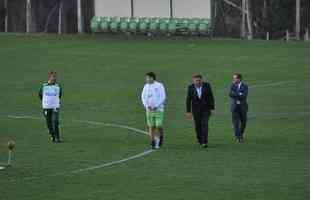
x: 287, y: 37
x: 267, y: 36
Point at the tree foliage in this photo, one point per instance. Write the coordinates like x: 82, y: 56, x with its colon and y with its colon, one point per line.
x: 273, y: 16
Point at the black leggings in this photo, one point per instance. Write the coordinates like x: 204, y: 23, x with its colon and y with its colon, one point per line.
x: 52, y: 122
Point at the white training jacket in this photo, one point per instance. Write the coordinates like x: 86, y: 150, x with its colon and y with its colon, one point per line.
x: 154, y: 96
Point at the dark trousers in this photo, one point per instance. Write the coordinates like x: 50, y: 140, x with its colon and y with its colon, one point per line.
x: 201, y: 120
x: 239, y: 120
x: 52, y: 122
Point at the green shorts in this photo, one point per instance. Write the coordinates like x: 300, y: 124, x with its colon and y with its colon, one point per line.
x: 155, y: 119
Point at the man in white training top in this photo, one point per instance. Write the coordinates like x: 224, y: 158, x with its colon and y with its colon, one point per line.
x: 50, y: 94
x: 153, y: 98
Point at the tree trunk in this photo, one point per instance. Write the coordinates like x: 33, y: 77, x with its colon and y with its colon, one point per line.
x: 60, y: 11
x: 249, y: 20
x: 265, y: 9
x: 28, y: 16
x: 297, y: 29
x: 49, y: 17
x: 245, y: 9
x: 79, y: 16
x: 6, y: 17
x: 243, y: 27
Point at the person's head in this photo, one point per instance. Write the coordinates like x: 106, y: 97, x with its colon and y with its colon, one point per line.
x: 150, y: 77
x: 197, y: 80
x: 237, y: 78
x: 52, y: 76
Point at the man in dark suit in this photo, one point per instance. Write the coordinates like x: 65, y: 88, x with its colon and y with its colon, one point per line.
x: 199, y: 105
x: 239, y: 106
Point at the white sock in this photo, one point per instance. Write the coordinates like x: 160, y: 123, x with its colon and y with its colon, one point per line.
x: 157, y: 140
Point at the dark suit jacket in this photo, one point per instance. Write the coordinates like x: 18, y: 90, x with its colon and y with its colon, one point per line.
x: 195, y: 104
x: 239, y: 97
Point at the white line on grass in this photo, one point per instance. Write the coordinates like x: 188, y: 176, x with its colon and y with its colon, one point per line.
x: 264, y: 85
x: 113, y: 125
x: 271, y: 84
x: 147, y: 152
x: 108, y: 164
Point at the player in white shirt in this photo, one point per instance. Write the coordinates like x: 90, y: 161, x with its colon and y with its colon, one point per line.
x: 153, y: 98
x: 50, y: 94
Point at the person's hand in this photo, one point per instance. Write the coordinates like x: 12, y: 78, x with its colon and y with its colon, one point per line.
x: 189, y: 115
x: 152, y: 109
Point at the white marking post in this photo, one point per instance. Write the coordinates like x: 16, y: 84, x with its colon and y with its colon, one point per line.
x: 10, y: 158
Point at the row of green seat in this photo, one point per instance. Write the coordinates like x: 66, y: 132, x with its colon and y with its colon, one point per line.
x: 151, y: 25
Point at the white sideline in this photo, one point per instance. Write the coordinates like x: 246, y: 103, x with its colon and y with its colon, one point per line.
x: 108, y: 164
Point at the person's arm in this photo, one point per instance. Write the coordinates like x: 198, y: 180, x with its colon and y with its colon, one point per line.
x: 244, y: 94
x: 143, y: 97
x: 189, y: 100
x: 41, y: 93
x: 232, y: 93
x: 60, y: 91
x: 239, y: 96
x: 212, y: 101
x: 162, y: 96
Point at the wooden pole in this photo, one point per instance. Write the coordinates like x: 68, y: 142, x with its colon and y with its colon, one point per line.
x: 6, y: 18
x: 61, y: 4
x: 79, y: 16
x: 215, y: 9
x: 298, y: 19
x: 28, y: 16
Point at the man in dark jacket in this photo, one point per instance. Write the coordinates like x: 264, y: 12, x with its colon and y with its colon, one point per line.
x: 199, y: 104
x: 239, y: 106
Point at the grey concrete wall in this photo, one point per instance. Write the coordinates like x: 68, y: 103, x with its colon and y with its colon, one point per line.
x: 154, y: 8
x: 121, y: 8
x: 192, y: 8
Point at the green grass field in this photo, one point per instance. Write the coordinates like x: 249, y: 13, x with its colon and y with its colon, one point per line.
x: 102, y: 79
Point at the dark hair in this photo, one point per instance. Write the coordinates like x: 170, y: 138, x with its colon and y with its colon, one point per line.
x: 152, y: 75
x: 51, y: 72
x: 197, y: 76
x: 238, y: 75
